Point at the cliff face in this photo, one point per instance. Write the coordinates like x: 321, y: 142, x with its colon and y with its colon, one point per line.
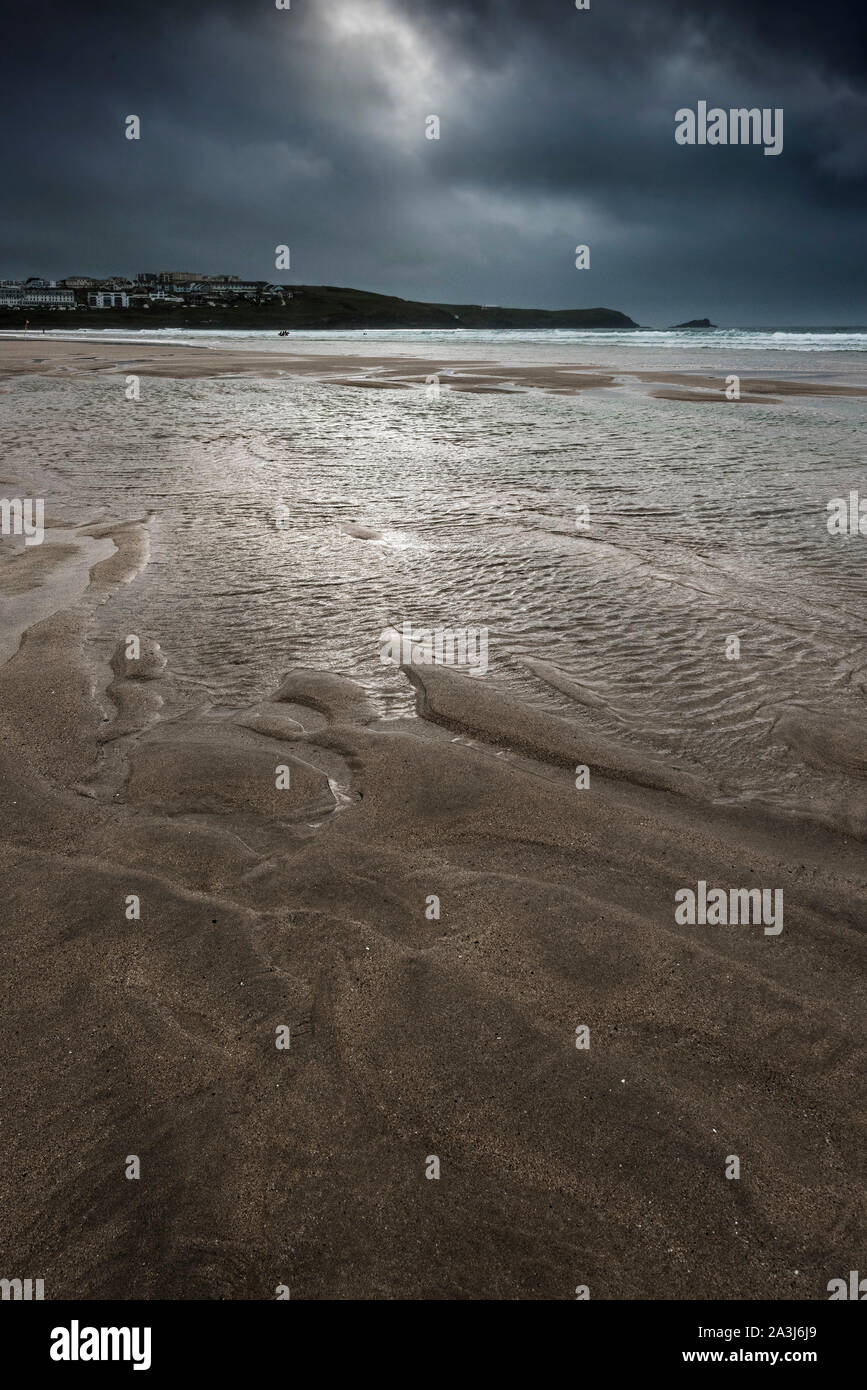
x: 323, y: 306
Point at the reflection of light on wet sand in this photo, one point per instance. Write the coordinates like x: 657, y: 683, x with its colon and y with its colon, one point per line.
x: 464, y: 509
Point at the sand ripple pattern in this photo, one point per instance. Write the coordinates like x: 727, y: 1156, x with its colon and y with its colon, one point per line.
x: 462, y: 512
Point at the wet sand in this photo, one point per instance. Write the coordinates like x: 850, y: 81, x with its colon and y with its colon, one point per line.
x: 413, y: 1033
x: 32, y: 356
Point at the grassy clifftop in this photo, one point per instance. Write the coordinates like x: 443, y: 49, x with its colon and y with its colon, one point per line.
x: 322, y: 306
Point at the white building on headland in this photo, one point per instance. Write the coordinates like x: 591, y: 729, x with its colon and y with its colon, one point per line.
x: 48, y: 297
x: 108, y: 299
x: 35, y: 294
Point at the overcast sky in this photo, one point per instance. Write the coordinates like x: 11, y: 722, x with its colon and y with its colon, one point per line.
x: 306, y: 127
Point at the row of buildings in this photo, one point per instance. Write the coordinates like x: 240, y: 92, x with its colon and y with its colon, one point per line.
x: 181, y: 287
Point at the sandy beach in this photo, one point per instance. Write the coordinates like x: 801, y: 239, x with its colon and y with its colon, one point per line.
x: 48, y: 357
x: 476, y: 958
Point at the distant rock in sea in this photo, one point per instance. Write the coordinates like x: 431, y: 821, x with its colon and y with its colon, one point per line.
x: 695, y: 323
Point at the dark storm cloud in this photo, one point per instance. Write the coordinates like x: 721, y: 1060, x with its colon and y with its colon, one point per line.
x: 306, y: 127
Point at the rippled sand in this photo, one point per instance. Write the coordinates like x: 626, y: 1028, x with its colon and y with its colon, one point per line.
x: 308, y: 905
